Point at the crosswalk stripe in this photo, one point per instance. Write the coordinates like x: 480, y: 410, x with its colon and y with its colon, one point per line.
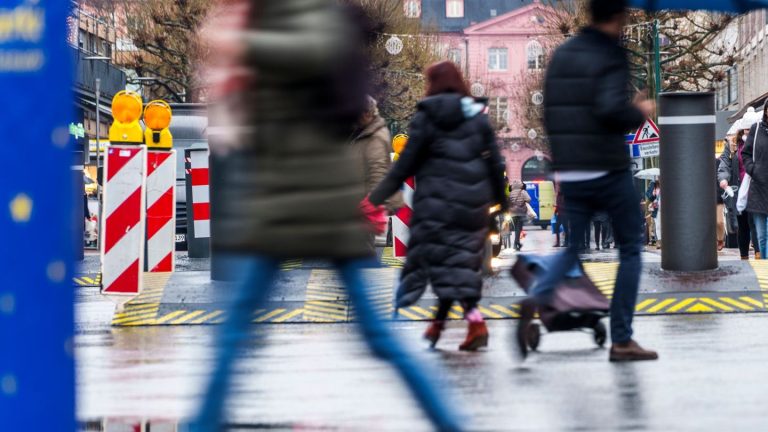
x: 187, y: 317
x: 736, y: 303
x: 203, y: 319
x: 169, y: 316
x: 752, y: 301
x: 489, y: 313
x: 661, y: 305
x: 269, y: 315
x: 505, y: 311
x: 716, y: 304
x: 288, y: 316
x: 409, y: 315
x: 681, y: 305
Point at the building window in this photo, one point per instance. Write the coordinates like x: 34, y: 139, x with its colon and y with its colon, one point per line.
x: 454, y: 55
x: 412, y: 8
x: 494, y: 12
x: 82, y: 36
x: 497, y: 59
x: 535, y: 55
x: 498, y: 111
x: 454, y: 8
x: 535, y: 169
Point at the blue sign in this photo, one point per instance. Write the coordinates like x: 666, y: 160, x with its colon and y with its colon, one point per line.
x: 37, y: 386
x: 634, y: 150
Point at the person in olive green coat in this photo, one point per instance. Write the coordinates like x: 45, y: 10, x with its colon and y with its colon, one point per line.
x: 293, y: 185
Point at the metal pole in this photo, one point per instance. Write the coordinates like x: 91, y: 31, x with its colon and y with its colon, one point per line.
x: 98, y: 158
x: 688, y: 196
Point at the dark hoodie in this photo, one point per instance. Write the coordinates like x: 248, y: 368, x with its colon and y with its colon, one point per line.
x: 755, y: 155
x: 459, y: 174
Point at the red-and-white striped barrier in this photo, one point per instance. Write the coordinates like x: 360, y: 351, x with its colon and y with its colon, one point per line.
x: 122, y: 246
x: 161, y: 211
x: 201, y: 193
x: 401, y: 222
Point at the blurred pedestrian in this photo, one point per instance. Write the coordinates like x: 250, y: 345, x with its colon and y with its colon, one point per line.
x: 291, y: 185
x: 587, y: 83
x: 755, y: 156
x: 731, y: 173
x: 518, y: 208
x: 653, y: 195
x: 601, y: 222
x: 374, y: 144
x: 719, y: 212
x: 561, y: 221
x: 459, y: 175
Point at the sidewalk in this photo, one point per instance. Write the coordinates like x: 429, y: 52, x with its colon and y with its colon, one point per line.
x: 308, y: 291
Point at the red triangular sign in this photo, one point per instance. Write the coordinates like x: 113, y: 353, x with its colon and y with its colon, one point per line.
x: 648, y: 133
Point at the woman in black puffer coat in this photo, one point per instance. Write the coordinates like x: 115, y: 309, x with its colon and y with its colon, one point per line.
x: 459, y: 175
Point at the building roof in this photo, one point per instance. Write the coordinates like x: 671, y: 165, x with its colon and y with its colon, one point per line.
x: 475, y: 11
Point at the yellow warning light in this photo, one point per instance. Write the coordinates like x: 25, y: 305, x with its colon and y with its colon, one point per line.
x: 157, y: 117
x: 126, y: 112
x: 399, y: 142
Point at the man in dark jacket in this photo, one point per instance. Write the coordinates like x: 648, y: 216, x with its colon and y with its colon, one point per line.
x: 587, y: 111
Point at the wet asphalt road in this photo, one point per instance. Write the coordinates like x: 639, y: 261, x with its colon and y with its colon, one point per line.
x: 711, y: 377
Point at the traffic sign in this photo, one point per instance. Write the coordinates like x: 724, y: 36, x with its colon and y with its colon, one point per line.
x: 648, y: 133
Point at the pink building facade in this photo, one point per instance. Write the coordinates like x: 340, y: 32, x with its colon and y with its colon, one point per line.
x: 500, y: 56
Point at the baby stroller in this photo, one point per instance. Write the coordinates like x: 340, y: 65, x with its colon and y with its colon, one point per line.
x: 576, y: 303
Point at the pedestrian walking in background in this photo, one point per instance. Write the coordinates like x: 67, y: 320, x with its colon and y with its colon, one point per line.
x: 291, y: 187
x: 373, y: 142
x: 601, y: 222
x: 755, y: 156
x: 518, y: 208
x: 720, y: 211
x: 653, y: 195
x: 561, y: 224
x: 459, y: 172
x: 587, y: 83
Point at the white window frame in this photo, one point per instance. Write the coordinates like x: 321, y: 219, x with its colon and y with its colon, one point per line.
x: 454, y: 8
x: 497, y: 106
x: 495, y: 57
x: 534, y: 55
x: 455, y: 55
x: 412, y: 8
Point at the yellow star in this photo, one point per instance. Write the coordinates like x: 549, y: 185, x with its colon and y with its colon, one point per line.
x: 21, y: 208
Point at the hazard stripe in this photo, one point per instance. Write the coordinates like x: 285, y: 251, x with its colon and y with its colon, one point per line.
x: 289, y: 315
x: 165, y: 264
x: 187, y: 317
x: 125, y: 217
x: 160, y: 212
x: 117, y: 161
x: 127, y: 281
x: 661, y: 305
x: 200, y: 177
x: 201, y: 211
x: 156, y: 159
x: 207, y: 317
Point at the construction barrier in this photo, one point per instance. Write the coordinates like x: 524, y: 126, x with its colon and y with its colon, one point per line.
x: 402, y: 219
x: 122, y: 246
x: 161, y: 211
x: 198, y: 203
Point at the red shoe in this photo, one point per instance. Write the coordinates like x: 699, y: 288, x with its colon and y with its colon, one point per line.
x: 434, y: 331
x: 477, y: 337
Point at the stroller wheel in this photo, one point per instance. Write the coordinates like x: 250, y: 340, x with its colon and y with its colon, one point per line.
x: 533, y: 336
x: 601, y: 334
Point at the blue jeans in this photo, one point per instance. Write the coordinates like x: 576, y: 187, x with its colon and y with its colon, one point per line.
x: 257, y: 277
x: 615, y: 194
x: 761, y: 226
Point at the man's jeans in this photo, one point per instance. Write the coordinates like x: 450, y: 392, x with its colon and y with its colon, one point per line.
x: 256, y: 276
x: 761, y: 226
x: 615, y: 194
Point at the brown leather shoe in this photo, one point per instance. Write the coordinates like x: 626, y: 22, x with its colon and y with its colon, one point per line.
x: 477, y: 337
x: 433, y: 332
x: 631, y: 351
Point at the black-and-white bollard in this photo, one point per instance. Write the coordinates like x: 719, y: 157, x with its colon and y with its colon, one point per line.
x: 688, y: 195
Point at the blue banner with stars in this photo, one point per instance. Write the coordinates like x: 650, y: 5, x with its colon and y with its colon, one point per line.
x: 37, y: 385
